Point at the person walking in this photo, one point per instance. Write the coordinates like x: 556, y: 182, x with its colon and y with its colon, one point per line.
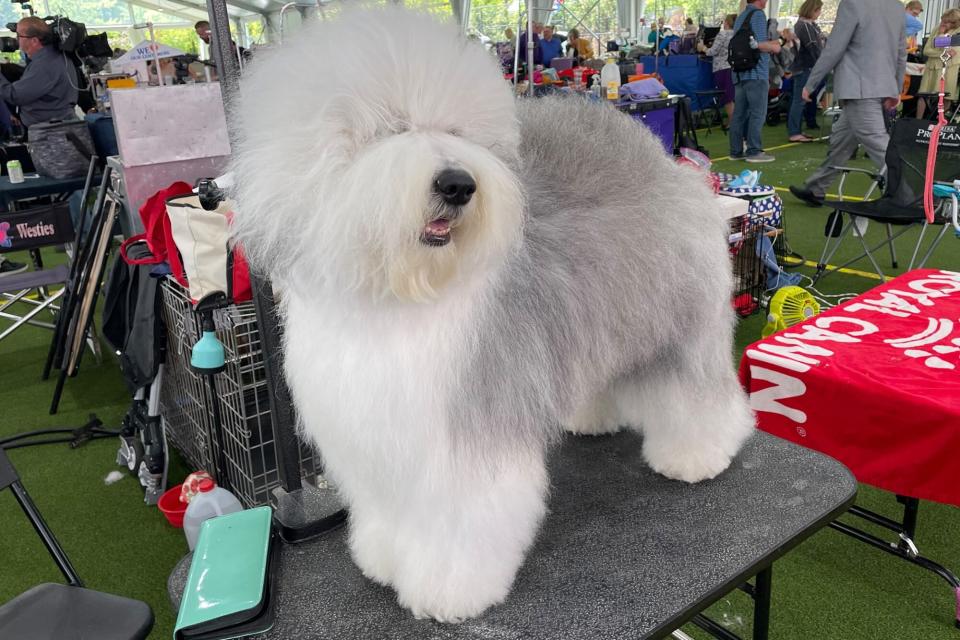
x: 867, y: 53
x: 811, y: 44
x: 752, y: 87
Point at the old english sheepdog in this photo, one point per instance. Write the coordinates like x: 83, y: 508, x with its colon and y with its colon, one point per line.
x: 463, y: 275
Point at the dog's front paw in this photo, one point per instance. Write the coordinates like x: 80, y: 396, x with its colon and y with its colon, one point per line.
x: 451, y: 606
x: 690, y: 465
x: 426, y: 615
x: 455, y: 583
x: 371, y: 545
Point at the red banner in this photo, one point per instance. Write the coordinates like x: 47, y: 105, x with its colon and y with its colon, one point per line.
x: 874, y: 383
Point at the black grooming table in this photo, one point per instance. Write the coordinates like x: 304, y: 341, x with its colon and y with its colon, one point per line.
x: 623, y: 553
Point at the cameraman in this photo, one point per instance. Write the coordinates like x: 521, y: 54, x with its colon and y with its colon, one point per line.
x: 48, y: 88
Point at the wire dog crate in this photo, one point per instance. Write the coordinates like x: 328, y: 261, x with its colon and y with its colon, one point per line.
x: 185, y: 402
x: 748, y: 275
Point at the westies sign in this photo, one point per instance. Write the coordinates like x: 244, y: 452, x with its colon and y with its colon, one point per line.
x: 900, y: 318
x: 35, y: 230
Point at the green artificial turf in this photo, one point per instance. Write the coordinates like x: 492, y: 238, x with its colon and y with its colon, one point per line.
x: 829, y: 587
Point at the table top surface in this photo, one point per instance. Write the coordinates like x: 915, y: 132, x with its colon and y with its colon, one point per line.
x: 33, y: 181
x: 623, y: 552
x: 34, y: 185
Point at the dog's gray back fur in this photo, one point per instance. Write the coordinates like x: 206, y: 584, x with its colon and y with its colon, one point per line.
x: 623, y: 263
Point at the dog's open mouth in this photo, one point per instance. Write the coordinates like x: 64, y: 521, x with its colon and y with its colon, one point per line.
x: 436, y: 233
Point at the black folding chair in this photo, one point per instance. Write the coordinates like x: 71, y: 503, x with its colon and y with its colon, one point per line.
x: 901, y: 204
x: 30, y: 229
x: 53, y: 611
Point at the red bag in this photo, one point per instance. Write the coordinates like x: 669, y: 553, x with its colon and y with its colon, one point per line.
x: 159, y: 237
x: 242, y: 290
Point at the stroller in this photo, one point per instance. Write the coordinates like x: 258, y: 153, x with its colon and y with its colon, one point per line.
x: 778, y: 102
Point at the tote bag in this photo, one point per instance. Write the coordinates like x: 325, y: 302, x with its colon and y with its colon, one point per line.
x: 210, y: 262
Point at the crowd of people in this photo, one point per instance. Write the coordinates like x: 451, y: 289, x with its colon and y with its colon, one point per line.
x: 864, y: 57
x: 862, y: 63
x: 547, y: 45
x: 50, y: 87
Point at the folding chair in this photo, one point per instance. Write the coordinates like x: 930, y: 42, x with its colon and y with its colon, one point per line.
x: 53, y: 611
x: 901, y: 204
x: 31, y: 229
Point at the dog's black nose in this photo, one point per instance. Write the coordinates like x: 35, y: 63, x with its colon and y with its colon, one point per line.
x: 455, y: 186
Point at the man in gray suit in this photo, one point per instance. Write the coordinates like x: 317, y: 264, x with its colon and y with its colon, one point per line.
x: 867, y: 53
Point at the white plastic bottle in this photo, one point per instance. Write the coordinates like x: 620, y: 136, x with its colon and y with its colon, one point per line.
x: 610, y: 80
x: 212, y: 501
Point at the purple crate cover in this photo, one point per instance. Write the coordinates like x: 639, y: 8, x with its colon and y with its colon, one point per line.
x: 660, y: 122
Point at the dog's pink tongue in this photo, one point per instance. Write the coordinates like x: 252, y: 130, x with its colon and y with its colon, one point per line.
x: 439, y: 227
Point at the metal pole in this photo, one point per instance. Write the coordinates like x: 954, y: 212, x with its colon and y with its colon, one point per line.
x: 516, y: 50
x: 530, y: 47
x: 227, y: 68
x: 656, y: 44
x: 761, y: 604
x: 156, y: 56
x: 465, y: 9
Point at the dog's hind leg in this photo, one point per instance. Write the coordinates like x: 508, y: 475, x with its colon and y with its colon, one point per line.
x: 694, y: 416
x: 460, y: 542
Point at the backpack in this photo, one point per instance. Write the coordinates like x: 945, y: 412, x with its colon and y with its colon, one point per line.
x: 741, y: 56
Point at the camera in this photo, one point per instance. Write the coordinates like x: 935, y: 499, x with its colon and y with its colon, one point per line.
x: 68, y: 35
x: 8, y: 44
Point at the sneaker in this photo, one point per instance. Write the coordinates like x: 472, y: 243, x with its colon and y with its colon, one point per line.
x: 733, y: 157
x: 760, y: 157
x: 8, y: 268
x: 808, y: 196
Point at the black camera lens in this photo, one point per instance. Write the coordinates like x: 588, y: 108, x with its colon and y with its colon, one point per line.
x: 8, y: 44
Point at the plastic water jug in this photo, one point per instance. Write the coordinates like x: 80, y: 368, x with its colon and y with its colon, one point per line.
x: 212, y: 501
x: 610, y: 80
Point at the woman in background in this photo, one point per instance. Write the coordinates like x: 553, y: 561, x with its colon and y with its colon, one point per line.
x: 811, y: 42
x: 505, y: 50
x: 722, y: 75
x: 578, y: 48
x: 930, y: 83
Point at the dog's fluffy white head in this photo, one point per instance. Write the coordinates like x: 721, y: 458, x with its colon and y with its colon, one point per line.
x: 343, y: 135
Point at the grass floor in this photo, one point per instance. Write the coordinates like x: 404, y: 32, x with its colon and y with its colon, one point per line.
x: 829, y: 587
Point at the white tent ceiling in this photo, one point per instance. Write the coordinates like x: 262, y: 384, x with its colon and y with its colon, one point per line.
x: 197, y: 9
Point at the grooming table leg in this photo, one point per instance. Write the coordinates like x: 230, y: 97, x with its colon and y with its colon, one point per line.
x: 904, y: 548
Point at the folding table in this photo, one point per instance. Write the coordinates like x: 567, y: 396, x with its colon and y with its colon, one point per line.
x: 875, y: 383
x: 623, y: 552
x: 35, y: 186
